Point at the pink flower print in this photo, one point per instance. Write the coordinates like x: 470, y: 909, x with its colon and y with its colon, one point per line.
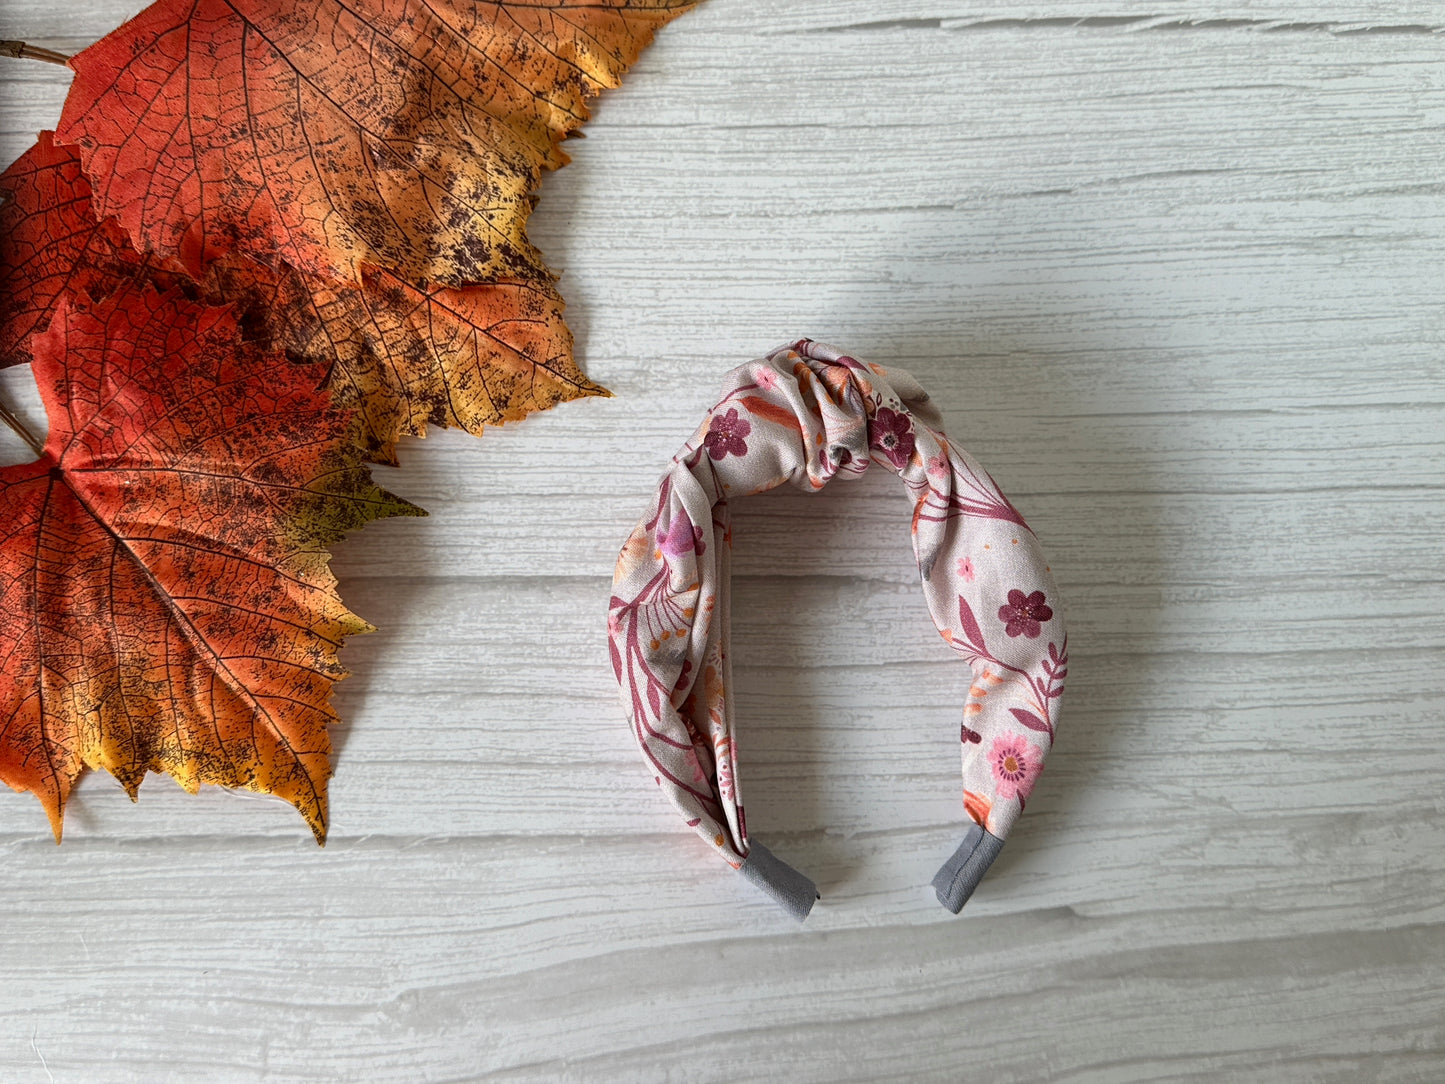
x: 937, y: 466
x: 965, y: 571
x: 698, y: 775
x: 1023, y: 613
x: 681, y: 537
x: 766, y: 378
x: 1015, y: 766
x: 892, y: 434
x: 725, y: 435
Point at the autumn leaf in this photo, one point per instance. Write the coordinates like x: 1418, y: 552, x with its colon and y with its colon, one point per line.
x: 51, y: 244
x: 332, y: 135
x: 165, y: 597
x: 353, y: 177
x: 405, y: 357
x: 402, y: 357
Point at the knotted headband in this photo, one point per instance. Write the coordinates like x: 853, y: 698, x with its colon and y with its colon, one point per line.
x: 805, y: 415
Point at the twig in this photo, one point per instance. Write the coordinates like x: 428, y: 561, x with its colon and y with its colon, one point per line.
x: 8, y: 417
x: 21, y: 51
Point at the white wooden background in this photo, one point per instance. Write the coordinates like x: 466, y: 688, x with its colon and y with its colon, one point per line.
x: 1173, y: 271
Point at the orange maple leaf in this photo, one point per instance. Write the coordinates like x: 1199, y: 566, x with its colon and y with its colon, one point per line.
x: 405, y: 357
x: 401, y: 356
x: 165, y: 597
x: 332, y: 134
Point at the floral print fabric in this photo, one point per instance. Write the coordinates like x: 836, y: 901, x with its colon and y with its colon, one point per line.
x: 806, y: 415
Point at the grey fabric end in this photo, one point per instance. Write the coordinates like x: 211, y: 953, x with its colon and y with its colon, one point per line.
x: 792, y: 891
x: 960, y: 875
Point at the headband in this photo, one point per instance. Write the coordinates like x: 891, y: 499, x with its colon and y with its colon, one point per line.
x: 807, y: 414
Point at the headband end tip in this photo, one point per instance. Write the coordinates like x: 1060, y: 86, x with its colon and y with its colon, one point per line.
x: 791, y: 890
x: 960, y: 875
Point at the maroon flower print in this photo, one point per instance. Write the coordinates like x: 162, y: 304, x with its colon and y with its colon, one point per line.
x: 1023, y: 613
x: 725, y: 435
x: 892, y: 434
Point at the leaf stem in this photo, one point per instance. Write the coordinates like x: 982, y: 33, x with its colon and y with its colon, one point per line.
x: 8, y: 417
x: 21, y: 51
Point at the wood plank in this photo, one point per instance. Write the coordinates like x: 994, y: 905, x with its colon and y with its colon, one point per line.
x: 375, y: 988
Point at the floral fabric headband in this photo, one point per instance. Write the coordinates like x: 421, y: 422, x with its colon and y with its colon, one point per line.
x: 805, y: 415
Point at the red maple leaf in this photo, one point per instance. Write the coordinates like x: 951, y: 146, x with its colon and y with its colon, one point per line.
x: 165, y: 597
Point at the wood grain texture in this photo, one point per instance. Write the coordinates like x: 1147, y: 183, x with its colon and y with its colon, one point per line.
x: 1173, y: 272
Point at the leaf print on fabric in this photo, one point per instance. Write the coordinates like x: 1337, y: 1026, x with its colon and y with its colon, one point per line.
x: 891, y: 433
x: 977, y: 806
x: 1043, y: 689
x: 972, y: 633
x: 761, y: 408
x: 1030, y: 720
x: 1022, y: 614
x: 1015, y: 766
x: 724, y: 757
x: 725, y: 435
x: 973, y: 490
